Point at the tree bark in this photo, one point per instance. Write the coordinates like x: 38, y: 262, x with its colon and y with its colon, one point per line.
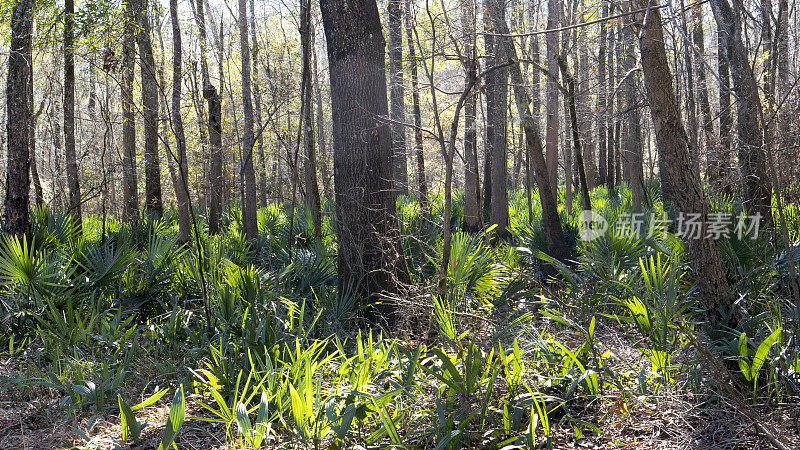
x: 214, y: 100
x: 497, y: 109
x: 130, y: 192
x: 472, y: 189
x: 758, y: 191
x: 398, y: 110
x: 69, y: 115
x: 632, y: 153
x: 249, y: 205
x: 552, y: 93
x: 422, y: 184
x: 312, y: 187
x: 680, y: 184
x: 152, y: 166
x: 551, y: 222
x: 702, y: 88
x: 182, y: 177
x: 262, y: 160
x: 601, y: 100
x: 370, y: 257
x: 18, y: 114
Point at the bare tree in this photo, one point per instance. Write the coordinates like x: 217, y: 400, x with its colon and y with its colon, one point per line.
x: 472, y: 189
x: 182, y: 177
x: 312, y: 187
x: 398, y: 110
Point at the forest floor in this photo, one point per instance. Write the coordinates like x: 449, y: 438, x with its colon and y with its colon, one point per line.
x: 668, y: 419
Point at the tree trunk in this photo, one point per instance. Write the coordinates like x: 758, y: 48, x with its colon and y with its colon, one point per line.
x: 130, y: 192
x: 422, y: 184
x: 18, y: 120
x: 69, y: 115
x: 551, y: 222
x: 609, y: 113
x: 758, y: 191
x: 312, y: 187
x: 37, y: 181
x: 370, y: 257
x: 552, y: 93
x: 262, y: 161
x: 496, y: 88
x: 586, y: 201
x: 182, y: 177
x: 398, y: 110
x: 585, y: 112
x: 702, y: 88
x: 152, y: 166
x: 680, y: 184
x: 472, y: 193
x: 601, y: 100
x: 691, y: 108
x: 321, y: 140
x: 249, y: 205
x: 214, y: 100
x: 632, y: 153
x: 722, y: 152
x: 497, y: 110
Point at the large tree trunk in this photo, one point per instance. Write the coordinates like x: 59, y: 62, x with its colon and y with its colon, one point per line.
x: 472, y: 189
x: 496, y: 112
x: 552, y: 93
x: 130, y: 192
x: 551, y: 222
x: 182, y: 177
x: 398, y: 110
x: 422, y: 184
x: 680, y: 183
x: 18, y: 121
x: 312, y: 187
x: 249, y: 205
x: 758, y: 191
x: 152, y: 165
x: 496, y: 88
x: 69, y: 114
x: 370, y: 256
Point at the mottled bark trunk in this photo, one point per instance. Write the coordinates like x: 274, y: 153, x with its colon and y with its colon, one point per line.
x: 632, y: 152
x: 312, y: 187
x: 601, y: 100
x: 551, y: 222
x: 152, y: 165
x: 497, y: 110
x: 419, y: 153
x: 130, y: 191
x: 680, y: 183
x: 369, y: 254
x: 698, y: 36
x: 16, y: 220
x: 758, y: 191
x: 552, y: 117
x: 249, y: 203
x: 397, y: 94
x: 182, y: 177
x: 262, y: 159
x: 472, y: 206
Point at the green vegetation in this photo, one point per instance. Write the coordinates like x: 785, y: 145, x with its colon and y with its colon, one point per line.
x: 269, y: 353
